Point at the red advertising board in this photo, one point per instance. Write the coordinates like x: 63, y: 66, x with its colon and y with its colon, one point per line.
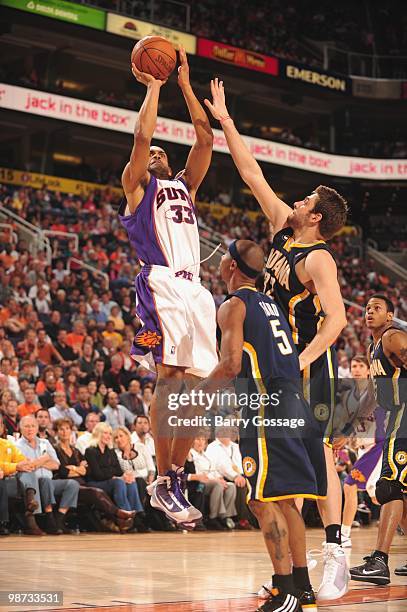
x: 238, y: 57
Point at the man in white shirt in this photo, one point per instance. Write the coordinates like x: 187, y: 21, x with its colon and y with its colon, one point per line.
x: 226, y: 458
x: 61, y: 410
x: 221, y: 493
x: 44, y: 460
x: 11, y: 381
x: 83, y: 441
x: 116, y: 414
x: 142, y: 434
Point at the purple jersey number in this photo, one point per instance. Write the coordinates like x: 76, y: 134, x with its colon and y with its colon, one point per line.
x: 180, y: 216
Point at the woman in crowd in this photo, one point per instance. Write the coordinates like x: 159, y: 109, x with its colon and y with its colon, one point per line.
x: 73, y: 465
x: 104, y: 472
x: 71, y: 386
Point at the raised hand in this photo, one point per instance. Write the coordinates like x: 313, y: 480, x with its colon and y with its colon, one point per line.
x: 218, y: 104
x: 145, y: 78
x: 183, y: 70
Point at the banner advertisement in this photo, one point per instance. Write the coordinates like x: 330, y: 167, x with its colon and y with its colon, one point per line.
x: 238, y: 57
x: 60, y: 9
x: 134, y: 28
x: 55, y: 106
x: 381, y: 89
x: 314, y: 76
x: 53, y: 183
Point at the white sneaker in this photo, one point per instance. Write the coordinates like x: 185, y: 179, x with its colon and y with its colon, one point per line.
x: 264, y: 592
x: 335, y: 580
x: 346, y: 541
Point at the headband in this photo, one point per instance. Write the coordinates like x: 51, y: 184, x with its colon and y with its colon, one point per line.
x: 243, y: 267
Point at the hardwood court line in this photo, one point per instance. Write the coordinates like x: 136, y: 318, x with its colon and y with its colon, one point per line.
x: 368, y: 595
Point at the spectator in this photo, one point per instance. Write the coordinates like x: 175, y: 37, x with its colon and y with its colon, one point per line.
x: 116, y: 378
x: 47, y: 397
x: 73, y: 465
x: 45, y: 429
x: 72, y: 384
x: 97, y: 395
x: 86, y: 362
x: 116, y: 414
x: 132, y: 398
x: 84, y: 406
x: 30, y: 405
x: 111, y: 334
x: 104, y: 471
x: 76, y: 337
x: 83, y: 440
x: 5, y: 371
x: 53, y: 327
x: 63, y: 348
x: 97, y: 314
x: 142, y: 435
x: 146, y: 398
x: 13, y: 463
x: 226, y: 459
x: 221, y: 493
x: 45, y: 461
x: 11, y: 418
x: 61, y: 410
x: 128, y: 457
x: 46, y: 352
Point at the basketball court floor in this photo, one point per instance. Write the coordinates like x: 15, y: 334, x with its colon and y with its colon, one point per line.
x: 179, y: 572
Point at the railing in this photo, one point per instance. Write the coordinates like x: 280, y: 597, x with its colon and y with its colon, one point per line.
x: 36, y: 240
x: 67, y: 235
x: 364, y: 65
x: 92, y: 269
x: 390, y: 265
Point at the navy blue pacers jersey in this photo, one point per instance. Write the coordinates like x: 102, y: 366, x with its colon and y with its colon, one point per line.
x: 269, y: 353
x: 390, y: 383
x: 301, y: 308
x: 282, y: 456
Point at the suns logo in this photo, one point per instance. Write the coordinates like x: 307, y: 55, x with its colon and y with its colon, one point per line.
x: 148, y: 338
x: 358, y: 476
x: 249, y: 466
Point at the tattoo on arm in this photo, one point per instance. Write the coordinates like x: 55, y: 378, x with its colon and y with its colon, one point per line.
x: 276, y: 535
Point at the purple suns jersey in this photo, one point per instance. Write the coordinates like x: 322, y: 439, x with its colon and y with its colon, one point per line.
x: 164, y: 229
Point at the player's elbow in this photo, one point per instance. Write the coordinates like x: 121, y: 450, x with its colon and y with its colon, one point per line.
x: 205, y: 139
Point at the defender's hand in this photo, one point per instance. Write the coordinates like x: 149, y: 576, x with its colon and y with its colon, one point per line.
x: 146, y: 79
x: 183, y: 70
x: 218, y: 104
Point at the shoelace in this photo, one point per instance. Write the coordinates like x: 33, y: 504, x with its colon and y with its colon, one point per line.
x: 330, y: 565
x: 370, y: 560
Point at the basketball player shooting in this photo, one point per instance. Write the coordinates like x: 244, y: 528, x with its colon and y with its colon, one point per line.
x: 301, y: 274
x: 178, y: 333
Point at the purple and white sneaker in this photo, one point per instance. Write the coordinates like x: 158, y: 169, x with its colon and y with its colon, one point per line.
x: 167, y: 496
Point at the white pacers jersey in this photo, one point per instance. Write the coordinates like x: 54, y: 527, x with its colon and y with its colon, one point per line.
x: 164, y: 228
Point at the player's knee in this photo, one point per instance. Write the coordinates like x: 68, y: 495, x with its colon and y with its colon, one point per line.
x: 257, y: 507
x: 388, y: 491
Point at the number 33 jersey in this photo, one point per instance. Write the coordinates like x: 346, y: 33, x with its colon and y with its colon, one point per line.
x: 164, y: 230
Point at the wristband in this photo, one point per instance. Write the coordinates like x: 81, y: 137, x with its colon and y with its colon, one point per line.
x: 223, y: 119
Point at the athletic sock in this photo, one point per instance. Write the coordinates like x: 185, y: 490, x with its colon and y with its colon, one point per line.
x: 382, y: 555
x: 285, y: 583
x: 333, y: 534
x: 345, y: 530
x: 301, y: 578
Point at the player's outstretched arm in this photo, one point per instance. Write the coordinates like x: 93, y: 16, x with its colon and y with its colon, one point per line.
x: 200, y: 155
x: 394, y: 344
x: 275, y: 209
x: 321, y: 269
x: 135, y: 175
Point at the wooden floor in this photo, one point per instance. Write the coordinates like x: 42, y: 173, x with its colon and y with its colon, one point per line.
x: 174, y: 572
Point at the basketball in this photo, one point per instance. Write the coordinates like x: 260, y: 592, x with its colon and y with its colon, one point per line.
x: 154, y: 55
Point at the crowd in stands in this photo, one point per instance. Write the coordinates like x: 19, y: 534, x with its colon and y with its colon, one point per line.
x: 76, y: 449
x: 272, y: 27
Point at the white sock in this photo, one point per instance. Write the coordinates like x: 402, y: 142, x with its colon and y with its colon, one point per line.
x: 345, y: 530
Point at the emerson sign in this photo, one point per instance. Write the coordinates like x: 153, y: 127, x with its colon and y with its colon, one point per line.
x: 315, y: 77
